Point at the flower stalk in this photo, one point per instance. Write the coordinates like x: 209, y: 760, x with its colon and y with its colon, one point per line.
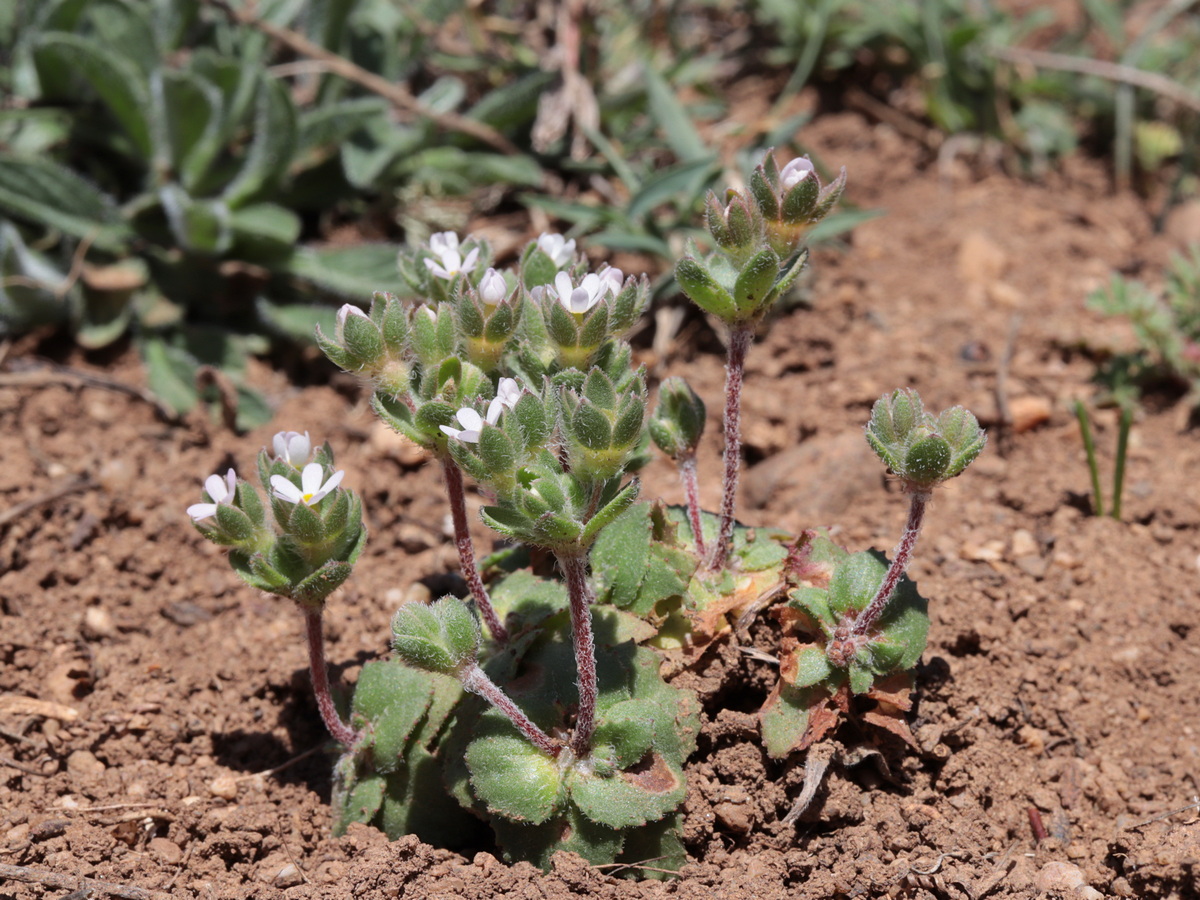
x: 856, y: 629
x: 574, y: 566
x: 466, y: 551
x: 740, y: 337
x: 691, y: 489
x: 475, y: 680
x: 319, y: 672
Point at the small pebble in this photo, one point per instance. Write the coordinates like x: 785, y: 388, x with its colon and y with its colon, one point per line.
x: 289, y: 876
x: 989, y: 551
x: 224, y: 786
x: 1023, y: 543
x: 1059, y: 876
x: 1033, y: 738
x: 165, y: 850
x: 98, y: 623
x: 85, y: 763
x: 1029, y: 412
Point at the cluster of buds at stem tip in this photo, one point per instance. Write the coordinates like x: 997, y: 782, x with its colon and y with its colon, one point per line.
x: 305, y: 549
x: 678, y: 421
x: 582, y: 313
x: 437, y: 268
x: 760, y: 234
x: 372, y: 343
x: 921, y: 449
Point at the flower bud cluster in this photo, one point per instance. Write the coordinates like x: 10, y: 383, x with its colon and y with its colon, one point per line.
x: 307, y: 545
x: 760, y: 236
x: 442, y: 637
x: 678, y: 421
x: 922, y: 449
x: 520, y: 377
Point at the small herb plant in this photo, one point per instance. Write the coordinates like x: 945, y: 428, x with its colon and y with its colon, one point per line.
x: 537, y: 704
x: 1166, y: 325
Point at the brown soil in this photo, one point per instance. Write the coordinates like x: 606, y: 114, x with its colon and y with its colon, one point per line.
x: 1056, y: 714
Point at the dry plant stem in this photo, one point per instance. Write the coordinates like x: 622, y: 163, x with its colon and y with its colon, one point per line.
x: 475, y: 680
x: 319, y: 672
x: 918, y: 502
x: 62, y: 882
x: 691, y: 487
x: 466, y: 551
x: 1151, y: 81
x: 574, y: 566
x: 735, y: 369
x: 395, y: 93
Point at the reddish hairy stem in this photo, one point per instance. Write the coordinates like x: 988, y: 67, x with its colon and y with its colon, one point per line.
x: 574, y: 566
x: 466, y: 551
x: 691, y: 487
x: 475, y: 680
x: 735, y: 368
x: 900, y: 560
x: 319, y: 672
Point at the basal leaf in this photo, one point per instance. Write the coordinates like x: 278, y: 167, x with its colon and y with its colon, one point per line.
x: 41, y: 191
x: 272, y: 147
x: 70, y: 58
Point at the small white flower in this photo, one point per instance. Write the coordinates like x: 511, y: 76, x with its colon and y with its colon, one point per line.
x: 580, y: 299
x: 443, y: 242
x: 795, y: 172
x: 614, y: 280
x: 472, y: 424
x: 221, y: 489
x: 348, y: 309
x: 311, y: 490
x: 558, y: 248
x: 444, y: 246
x: 292, y: 447
x: 492, y: 288
x: 508, y: 392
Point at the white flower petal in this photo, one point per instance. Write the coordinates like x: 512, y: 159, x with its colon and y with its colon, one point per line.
x: 614, y: 280
x: 285, y: 490
x: 443, y: 241
x: 493, y: 411
x: 492, y: 288
x: 468, y: 264
x: 327, y: 488
x: 310, y: 479
x: 292, y: 447
x: 215, y: 485
x: 299, y: 447
x: 508, y: 392
x: 437, y: 270
x: 349, y: 309
x: 563, y: 287
x: 200, y: 511
x: 469, y: 419
x: 559, y: 249
x: 795, y: 172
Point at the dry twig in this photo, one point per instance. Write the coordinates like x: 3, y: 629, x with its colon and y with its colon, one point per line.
x: 38, y: 374
x: 78, y: 483
x: 56, y: 881
x: 1109, y: 71
x: 815, y: 766
x: 397, y: 94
